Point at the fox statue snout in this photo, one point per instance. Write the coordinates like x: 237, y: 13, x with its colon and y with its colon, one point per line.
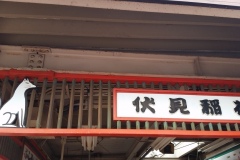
x: 29, y: 85
x: 16, y: 106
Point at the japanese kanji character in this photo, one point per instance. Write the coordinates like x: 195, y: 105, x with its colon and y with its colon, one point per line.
x: 237, y: 108
x: 212, y: 106
x: 145, y: 104
x: 178, y: 103
x: 206, y: 107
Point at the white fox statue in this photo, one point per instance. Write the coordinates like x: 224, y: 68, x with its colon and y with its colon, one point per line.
x: 15, y: 107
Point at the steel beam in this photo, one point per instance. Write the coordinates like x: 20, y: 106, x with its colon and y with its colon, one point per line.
x: 142, y: 7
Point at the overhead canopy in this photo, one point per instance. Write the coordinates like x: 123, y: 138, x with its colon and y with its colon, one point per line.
x: 121, y: 26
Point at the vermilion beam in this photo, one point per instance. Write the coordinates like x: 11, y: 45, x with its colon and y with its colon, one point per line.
x: 50, y: 75
x: 118, y: 133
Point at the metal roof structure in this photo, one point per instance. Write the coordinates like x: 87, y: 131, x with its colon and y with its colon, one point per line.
x: 135, y: 44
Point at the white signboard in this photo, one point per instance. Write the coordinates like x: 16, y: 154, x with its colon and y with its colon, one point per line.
x: 28, y: 154
x: 188, y: 106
